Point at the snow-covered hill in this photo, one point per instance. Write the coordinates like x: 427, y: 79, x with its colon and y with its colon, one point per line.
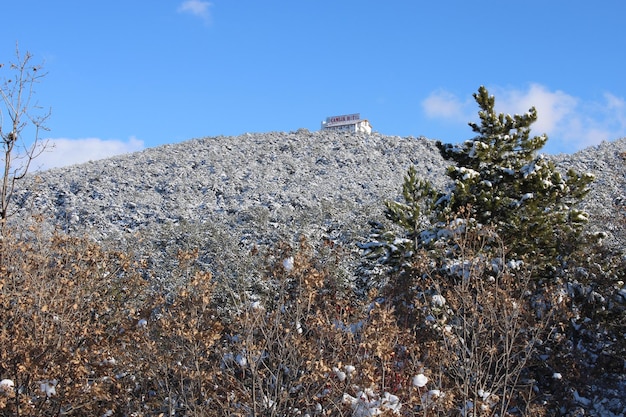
x: 256, y: 188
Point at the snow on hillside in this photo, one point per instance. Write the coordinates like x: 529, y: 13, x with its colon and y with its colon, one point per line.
x: 259, y: 188
x: 295, y: 180
x: 606, y: 201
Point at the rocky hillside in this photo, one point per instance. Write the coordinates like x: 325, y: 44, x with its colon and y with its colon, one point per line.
x: 259, y: 188
x: 607, y: 199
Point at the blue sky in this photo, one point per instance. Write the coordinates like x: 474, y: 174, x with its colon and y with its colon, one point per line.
x: 124, y: 75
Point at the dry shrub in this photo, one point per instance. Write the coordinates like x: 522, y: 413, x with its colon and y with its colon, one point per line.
x: 65, y: 304
x: 270, y: 353
x: 488, y: 337
x: 173, y: 371
x: 311, y: 347
x: 480, y: 318
x: 84, y: 334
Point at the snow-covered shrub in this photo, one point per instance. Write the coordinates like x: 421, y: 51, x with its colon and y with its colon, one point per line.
x: 478, y: 324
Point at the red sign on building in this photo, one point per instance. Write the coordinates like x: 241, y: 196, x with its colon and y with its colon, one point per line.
x: 342, y: 119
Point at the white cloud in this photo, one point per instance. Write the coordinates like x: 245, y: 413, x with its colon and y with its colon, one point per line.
x: 62, y: 152
x: 553, y: 108
x: 197, y: 8
x: 445, y: 105
x: 570, y: 123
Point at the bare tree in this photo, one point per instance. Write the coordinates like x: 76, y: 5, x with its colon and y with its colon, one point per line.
x: 21, y: 123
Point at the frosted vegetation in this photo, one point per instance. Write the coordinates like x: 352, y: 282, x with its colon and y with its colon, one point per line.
x: 228, y: 194
x: 316, y: 273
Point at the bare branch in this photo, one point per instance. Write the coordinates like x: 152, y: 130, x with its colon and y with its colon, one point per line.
x: 21, y: 123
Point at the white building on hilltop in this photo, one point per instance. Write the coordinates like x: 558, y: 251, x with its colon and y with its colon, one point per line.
x: 347, y: 123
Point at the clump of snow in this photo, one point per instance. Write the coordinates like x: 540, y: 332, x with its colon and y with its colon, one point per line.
x: 420, y: 380
x: 475, y: 145
x: 483, y: 394
x: 6, y: 385
x: 527, y: 196
x: 48, y: 387
x: 341, y: 375
x: 468, y: 173
x: 368, y: 403
x: 438, y: 300
x: 531, y: 168
x: 241, y: 360
x: 288, y: 264
x: 515, y: 264
x: 347, y: 371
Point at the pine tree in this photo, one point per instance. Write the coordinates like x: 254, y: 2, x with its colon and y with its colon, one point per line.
x: 503, y: 181
x: 499, y: 181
